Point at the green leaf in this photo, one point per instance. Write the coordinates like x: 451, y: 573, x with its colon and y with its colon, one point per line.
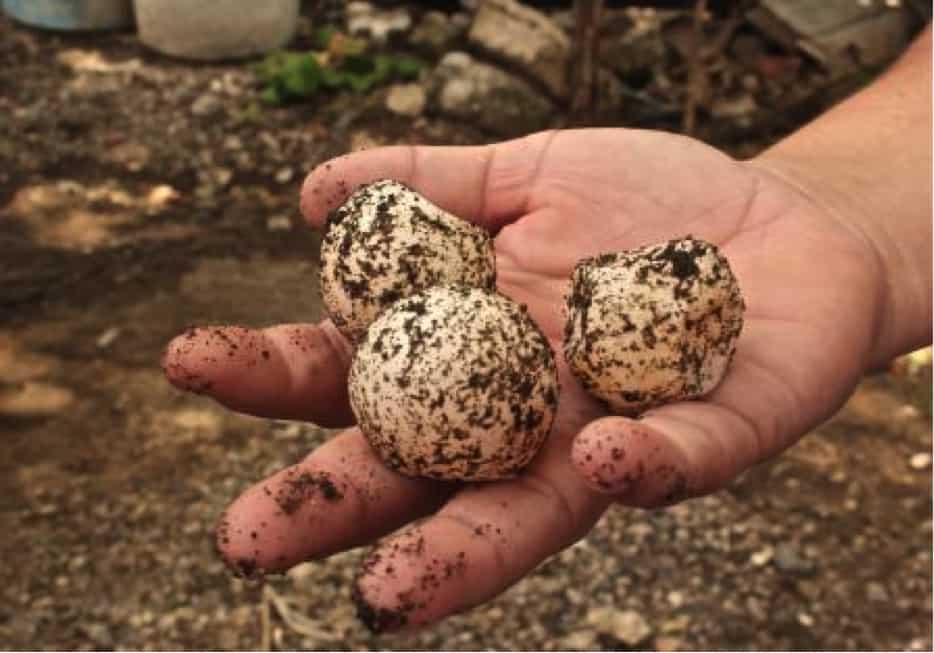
x: 322, y: 36
x: 301, y: 75
x: 357, y: 64
x: 333, y: 78
x: 271, y: 95
x: 408, y: 67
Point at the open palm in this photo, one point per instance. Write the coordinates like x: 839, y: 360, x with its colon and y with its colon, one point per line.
x: 551, y: 199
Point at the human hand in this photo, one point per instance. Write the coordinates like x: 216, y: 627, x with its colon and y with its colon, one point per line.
x: 812, y: 289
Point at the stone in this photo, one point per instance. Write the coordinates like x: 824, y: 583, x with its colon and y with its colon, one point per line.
x: 789, y: 560
x: 762, y: 557
x: 876, y: 592
x: 675, y: 599
x: 920, y: 461
x: 627, y: 626
x: 108, y: 337
x: 734, y: 107
x: 284, y: 175
x: 525, y: 38
x: 363, y: 19
x: 668, y: 643
x: 160, y: 196
x: 487, y: 97
x: 579, y: 640
x: 633, y: 54
x: 406, y: 100
x: 206, y: 104
x: 436, y: 32
x: 278, y: 223
x: 35, y: 399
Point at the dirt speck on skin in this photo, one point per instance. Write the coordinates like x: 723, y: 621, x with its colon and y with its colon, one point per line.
x: 299, y: 487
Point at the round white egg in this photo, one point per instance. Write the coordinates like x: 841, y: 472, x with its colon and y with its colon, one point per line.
x: 653, y: 325
x: 455, y: 383
x: 387, y: 242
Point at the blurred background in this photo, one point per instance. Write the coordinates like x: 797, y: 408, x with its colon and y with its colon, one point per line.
x: 151, y: 154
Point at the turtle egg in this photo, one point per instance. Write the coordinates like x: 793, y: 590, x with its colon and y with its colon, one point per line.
x: 455, y: 383
x: 653, y: 325
x: 387, y: 242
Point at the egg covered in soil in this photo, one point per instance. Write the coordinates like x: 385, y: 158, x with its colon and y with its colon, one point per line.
x: 653, y: 325
x: 455, y: 383
x: 387, y: 242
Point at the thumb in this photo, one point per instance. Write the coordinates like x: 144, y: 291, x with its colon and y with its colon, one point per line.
x: 670, y: 454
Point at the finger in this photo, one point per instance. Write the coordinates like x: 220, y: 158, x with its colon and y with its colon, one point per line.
x: 691, y: 448
x: 291, y: 371
x: 339, y: 497
x: 674, y: 453
x: 484, y: 540
x: 488, y: 185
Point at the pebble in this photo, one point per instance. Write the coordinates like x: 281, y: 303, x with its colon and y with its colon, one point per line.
x: 206, y: 104
x: 406, y: 100
x: 284, y: 175
x: 278, y: 223
x: 805, y: 619
x: 668, y: 643
x: 762, y: 557
x: 108, y: 337
x: 35, y: 399
x: 876, y: 592
x: 920, y: 461
x: 675, y: 599
x: 789, y: 560
x: 627, y: 626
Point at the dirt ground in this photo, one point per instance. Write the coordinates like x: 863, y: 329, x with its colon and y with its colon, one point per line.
x: 132, y: 207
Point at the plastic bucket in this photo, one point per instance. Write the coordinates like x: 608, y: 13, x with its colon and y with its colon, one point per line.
x: 71, y: 14
x: 212, y: 30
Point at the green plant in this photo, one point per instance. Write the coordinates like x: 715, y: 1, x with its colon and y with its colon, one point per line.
x: 338, y: 63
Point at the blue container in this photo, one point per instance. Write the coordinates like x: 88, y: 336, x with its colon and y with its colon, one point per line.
x: 81, y: 15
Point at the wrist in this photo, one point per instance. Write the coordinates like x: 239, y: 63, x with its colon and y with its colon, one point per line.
x: 895, y: 240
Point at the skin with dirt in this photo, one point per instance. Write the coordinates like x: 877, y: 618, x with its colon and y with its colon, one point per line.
x: 131, y: 208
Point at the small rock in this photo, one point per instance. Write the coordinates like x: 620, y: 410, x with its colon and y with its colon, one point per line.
x: 233, y: 143
x: 206, y: 104
x: 675, y: 599
x: 633, y: 54
x: 98, y: 633
x: 363, y: 19
x: 160, y: 196
x: 789, y: 560
x: 527, y: 39
x: 762, y: 557
x: 284, y: 175
x: 406, y: 99
x: 222, y: 176
x: 487, y: 97
x: 805, y: 619
x: 205, y: 422
x: 108, y: 337
x: 35, y: 399
x: 668, y: 643
x: 279, y: 223
x: 627, y: 626
x: 436, y: 33
x: 920, y: 461
x: 876, y: 592
x: 735, y: 107
x: 579, y: 640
